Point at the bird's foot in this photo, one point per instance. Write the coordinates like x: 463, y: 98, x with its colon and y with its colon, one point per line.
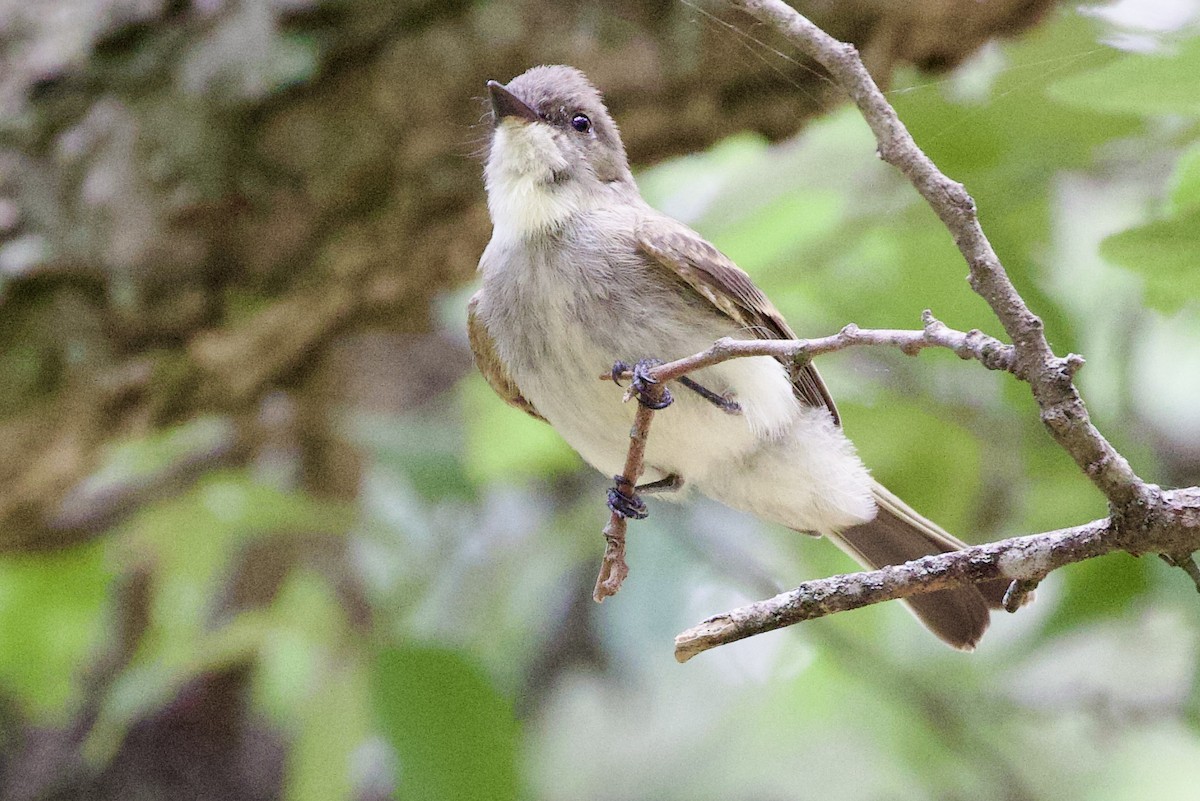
x: 643, y: 384
x: 623, y: 500
x: 725, y: 402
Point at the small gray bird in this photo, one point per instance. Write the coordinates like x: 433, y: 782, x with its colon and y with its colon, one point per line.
x: 581, y: 274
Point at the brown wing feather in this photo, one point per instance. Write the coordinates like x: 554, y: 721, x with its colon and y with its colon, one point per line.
x: 488, y: 362
x: 715, y: 277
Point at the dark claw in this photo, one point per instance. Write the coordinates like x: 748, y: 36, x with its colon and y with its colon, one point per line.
x: 623, y: 500
x: 642, y: 382
x: 619, y: 368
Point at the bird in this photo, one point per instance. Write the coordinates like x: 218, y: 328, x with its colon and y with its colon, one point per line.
x: 582, y: 277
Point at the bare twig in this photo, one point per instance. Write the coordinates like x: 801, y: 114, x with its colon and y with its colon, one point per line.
x: 613, y: 569
x: 1049, y: 376
x: 1143, y: 518
x: 1185, y: 562
x: 988, y: 351
x: 1024, y: 560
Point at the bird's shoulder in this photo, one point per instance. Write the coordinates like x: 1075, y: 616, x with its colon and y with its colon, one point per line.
x: 674, y: 246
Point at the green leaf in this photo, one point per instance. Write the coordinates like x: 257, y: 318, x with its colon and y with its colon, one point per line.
x: 306, y: 626
x: 51, y: 613
x: 1164, y: 252
x: 455, y: 736
x: 336, y: 723
x: 1098, y: 588
x: 1185, y: 181
x: 504, y: 443
x: 1138, y: 83
x: 930, y: 462
x: 189, y: 544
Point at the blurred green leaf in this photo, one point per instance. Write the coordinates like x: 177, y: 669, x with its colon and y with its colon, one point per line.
x: 190, y: 544
x: 190, y: 540
x: 785, y: 225
x: 1138, y: 83
x: 334, y: 727
x: 426, y: 448
x: 1166, y: 253
x: 307, y: 626
x: 455, y: 736
x: 504, y: 443
x: 52, y: 610
x: 1185, y: 181
x: 930, y: 462
x: 1018, y: 138
x: 1097, y: 588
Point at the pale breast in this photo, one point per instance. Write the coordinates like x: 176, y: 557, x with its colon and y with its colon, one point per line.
x: 562, y: 312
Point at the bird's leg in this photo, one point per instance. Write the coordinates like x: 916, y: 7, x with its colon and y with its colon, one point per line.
x: 722, y: 402
x: 623, y: 499
x: 671, y: 483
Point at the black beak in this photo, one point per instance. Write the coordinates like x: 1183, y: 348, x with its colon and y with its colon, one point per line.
x: 506, y: 104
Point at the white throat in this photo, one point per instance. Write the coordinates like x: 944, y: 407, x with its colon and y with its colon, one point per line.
x: 523, y: 197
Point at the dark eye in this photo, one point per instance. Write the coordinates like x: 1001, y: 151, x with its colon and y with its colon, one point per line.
x: 581, y: 123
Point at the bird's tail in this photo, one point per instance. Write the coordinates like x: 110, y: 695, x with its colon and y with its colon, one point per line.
x: 898, y: 534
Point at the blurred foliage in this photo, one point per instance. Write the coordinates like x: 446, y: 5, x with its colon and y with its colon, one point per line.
x: 478, y: 672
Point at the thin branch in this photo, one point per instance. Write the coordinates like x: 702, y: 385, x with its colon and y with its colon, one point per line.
x: 1023, y: 560
x: 1144, y: 519
x: 613, y: 568
x: 1062, y: 410
x: 974, y: 344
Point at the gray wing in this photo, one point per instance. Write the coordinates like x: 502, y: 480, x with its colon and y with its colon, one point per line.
x: 489, y: 363
x: 715, y: 277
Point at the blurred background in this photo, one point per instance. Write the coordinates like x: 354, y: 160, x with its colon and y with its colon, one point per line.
x: 264, y: 533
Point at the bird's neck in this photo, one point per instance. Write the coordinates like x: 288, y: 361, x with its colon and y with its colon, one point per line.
x: 524, y: 206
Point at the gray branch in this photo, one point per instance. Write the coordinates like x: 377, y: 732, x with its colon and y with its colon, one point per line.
x: 1143, y: 518
x: 1050, y: 377
x: 1023, y: 560
x: 974, y: 344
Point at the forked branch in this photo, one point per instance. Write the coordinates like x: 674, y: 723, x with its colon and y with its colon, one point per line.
x: 1143, y: 518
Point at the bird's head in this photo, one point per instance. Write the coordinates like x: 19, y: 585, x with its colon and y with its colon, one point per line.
x: 554, y: 148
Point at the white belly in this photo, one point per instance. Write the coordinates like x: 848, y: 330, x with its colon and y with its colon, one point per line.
x: 559, y: 328
x: 688, y: 438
